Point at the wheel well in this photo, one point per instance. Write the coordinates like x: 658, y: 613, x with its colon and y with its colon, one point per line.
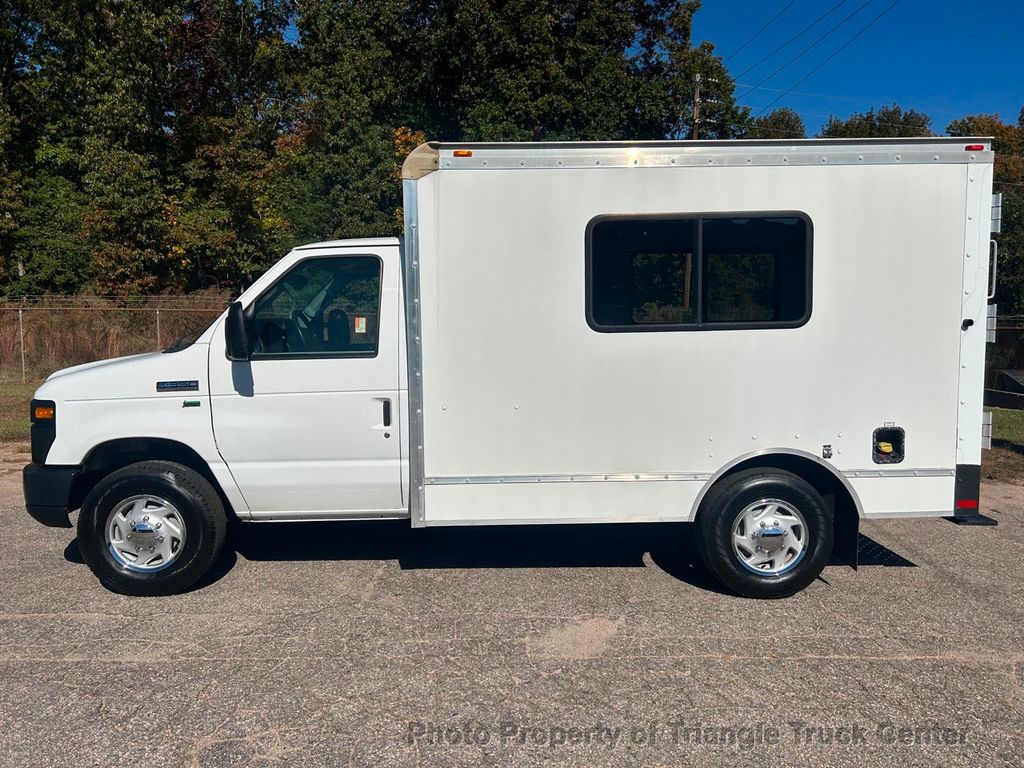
x: 837, y: 495
x: 113, y: 455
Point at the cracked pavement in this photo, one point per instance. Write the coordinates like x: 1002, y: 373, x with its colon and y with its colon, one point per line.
x: 370, y: 644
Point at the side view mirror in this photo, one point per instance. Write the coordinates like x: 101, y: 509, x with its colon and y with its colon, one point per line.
x: 236, y: 333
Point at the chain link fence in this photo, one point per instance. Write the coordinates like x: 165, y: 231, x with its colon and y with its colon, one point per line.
x: 1004, y: 362
x: 41, y: 334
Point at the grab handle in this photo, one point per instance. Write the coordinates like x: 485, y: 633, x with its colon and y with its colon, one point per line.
x: 994, y: 251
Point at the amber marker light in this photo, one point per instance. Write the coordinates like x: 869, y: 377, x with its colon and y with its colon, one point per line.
x: 43, y: 413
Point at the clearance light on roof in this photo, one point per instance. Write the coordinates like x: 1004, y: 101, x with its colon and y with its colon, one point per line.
x: 974, y: 148
x: 463, y: 153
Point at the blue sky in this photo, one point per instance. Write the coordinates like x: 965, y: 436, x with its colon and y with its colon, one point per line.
x: 947, y: 59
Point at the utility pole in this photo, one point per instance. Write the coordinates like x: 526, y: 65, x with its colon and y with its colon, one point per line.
x: 696, y: 105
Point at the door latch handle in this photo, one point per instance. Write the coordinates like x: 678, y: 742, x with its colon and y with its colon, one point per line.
x: 387, y: 413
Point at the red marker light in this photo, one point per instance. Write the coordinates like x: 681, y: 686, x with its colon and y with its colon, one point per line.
x: 975, y: 148
x: 966, y: 503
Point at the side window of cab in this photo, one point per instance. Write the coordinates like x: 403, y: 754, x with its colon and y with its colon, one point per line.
x: 322, y: 307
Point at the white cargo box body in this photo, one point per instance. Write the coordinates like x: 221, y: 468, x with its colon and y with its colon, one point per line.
x: 522, y: 410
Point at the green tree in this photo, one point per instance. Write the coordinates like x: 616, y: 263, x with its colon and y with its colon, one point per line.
x: 887, y: 122
x: 782, y: 123
x: 230, y: 81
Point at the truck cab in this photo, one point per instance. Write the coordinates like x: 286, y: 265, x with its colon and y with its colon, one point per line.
x: 307, y: 425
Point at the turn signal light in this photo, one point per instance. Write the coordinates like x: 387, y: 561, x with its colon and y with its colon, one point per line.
x: 43, y: 413
x: 463, y: 153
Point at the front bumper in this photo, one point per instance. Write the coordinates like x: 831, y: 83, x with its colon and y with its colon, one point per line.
x: 48, y: 492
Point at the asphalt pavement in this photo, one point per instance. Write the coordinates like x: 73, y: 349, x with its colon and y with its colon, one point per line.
x: 377, y: 645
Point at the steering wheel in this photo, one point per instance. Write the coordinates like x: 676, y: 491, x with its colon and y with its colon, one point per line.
x: 302, y: 328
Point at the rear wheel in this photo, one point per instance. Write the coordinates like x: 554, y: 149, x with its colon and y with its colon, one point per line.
x: 764, y: 533
x: 152, y: 528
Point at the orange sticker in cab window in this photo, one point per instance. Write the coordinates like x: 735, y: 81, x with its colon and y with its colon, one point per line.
x: 360, y: 324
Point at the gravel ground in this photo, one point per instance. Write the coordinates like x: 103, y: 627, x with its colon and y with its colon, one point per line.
x: 376, y: 645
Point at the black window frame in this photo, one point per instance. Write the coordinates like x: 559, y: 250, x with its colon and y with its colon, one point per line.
x: 251, y: 313
x: 699, y: 324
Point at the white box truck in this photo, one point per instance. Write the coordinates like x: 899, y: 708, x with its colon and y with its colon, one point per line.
x: 768, y: 339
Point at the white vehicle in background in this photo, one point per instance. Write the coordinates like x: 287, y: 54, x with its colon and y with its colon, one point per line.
x: 770, y: 339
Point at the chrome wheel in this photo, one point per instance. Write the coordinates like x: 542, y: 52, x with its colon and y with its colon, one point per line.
x: 769, y: 537
x: 145, y: 533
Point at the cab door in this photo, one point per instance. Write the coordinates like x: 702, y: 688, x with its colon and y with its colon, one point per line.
x: 309, y: 426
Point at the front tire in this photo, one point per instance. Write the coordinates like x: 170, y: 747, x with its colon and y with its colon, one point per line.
x: 151, y: 528
x: 764, y: 533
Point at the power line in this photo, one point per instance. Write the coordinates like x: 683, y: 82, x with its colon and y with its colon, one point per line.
x: 835, y: 53
x: 762, y: 29
x: 849, y: 16
x: 794, y: 37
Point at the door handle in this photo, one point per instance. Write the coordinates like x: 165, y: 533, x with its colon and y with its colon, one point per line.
x: 387, y: 413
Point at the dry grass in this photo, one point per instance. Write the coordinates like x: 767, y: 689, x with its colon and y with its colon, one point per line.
x: 14, y: 400
x: 1005, y: 461
x: 63, y: 331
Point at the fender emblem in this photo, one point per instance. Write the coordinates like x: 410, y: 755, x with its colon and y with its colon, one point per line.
x: 177, y: 386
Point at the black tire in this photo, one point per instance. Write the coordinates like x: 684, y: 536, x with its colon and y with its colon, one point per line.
x: 718, y: 515
x: 195, y: 500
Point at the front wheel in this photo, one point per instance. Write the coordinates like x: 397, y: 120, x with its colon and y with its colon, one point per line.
x: 764, y: 533
x: 152, y: 528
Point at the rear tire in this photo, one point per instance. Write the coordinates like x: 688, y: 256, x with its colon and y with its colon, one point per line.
x: 151, y: 528
x: 764, y: 533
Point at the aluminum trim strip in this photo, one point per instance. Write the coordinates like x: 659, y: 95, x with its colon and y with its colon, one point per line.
x: 899, y: 473
x: 622, y: 477
x: 707, y: 154
x: 411, y: 273
x: 512, y: 161
x: 626, y: 477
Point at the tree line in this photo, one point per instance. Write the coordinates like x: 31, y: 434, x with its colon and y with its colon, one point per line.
x: 176, y: 145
